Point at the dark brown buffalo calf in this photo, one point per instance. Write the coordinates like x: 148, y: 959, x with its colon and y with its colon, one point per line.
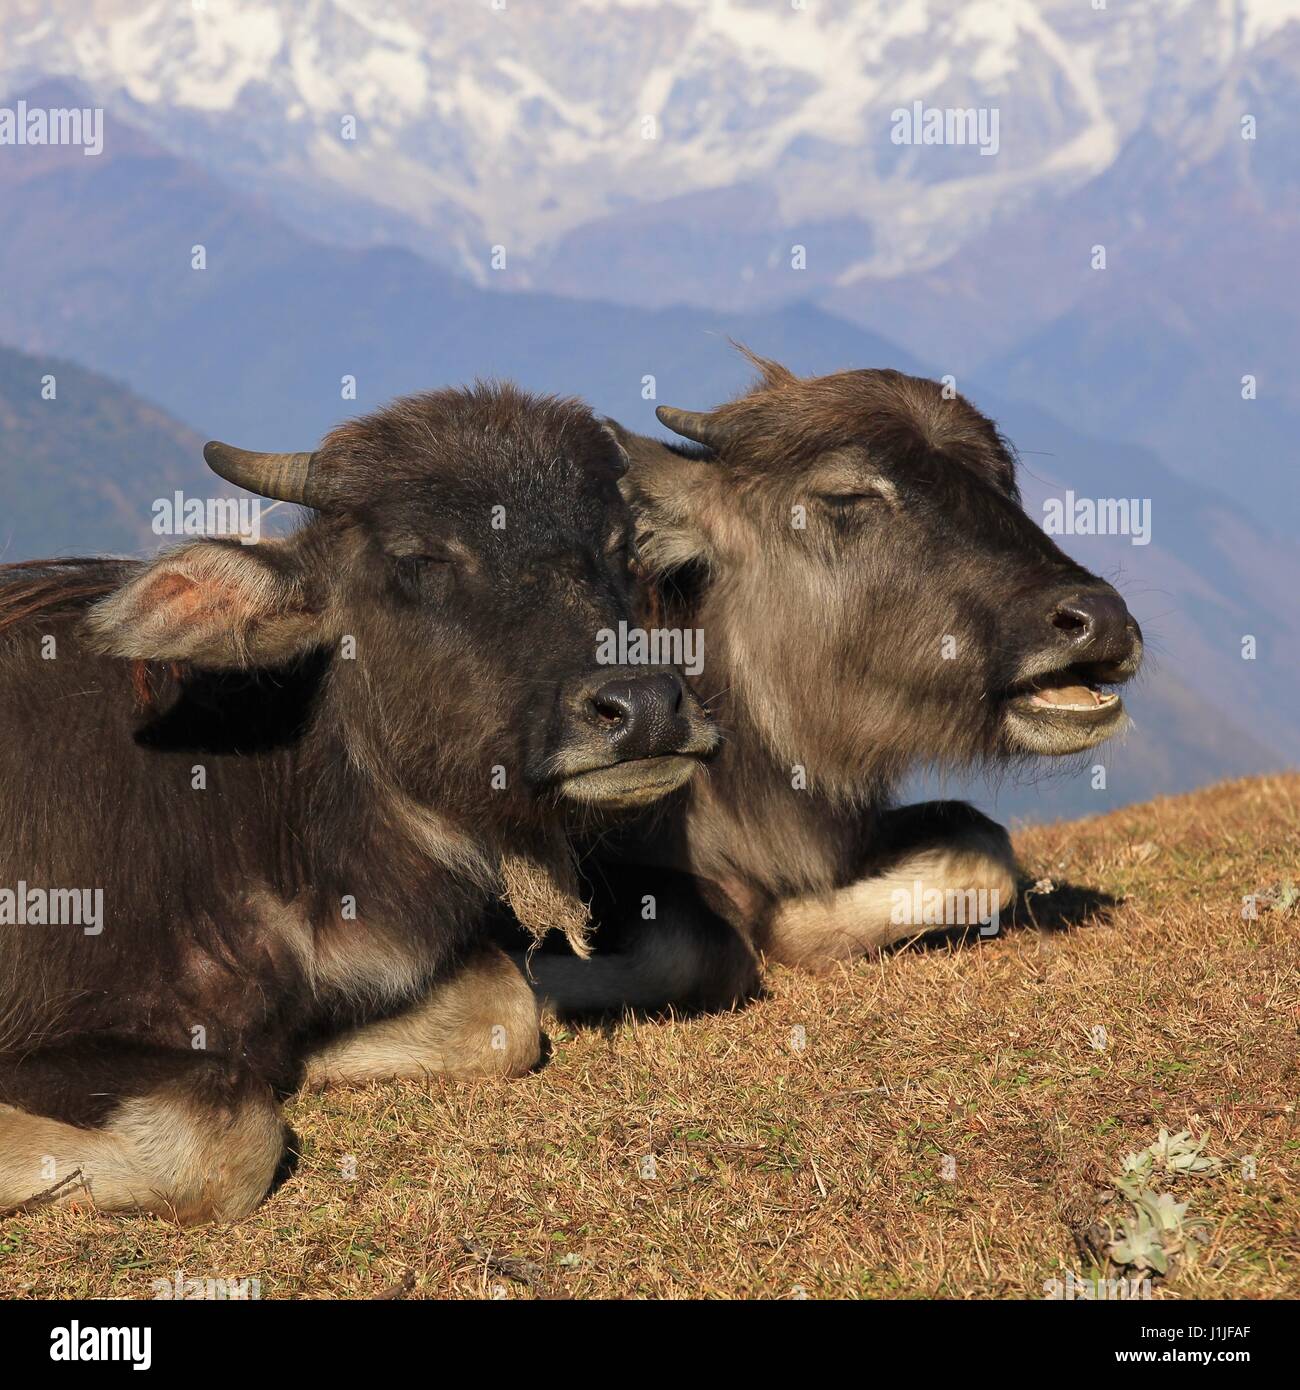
x: 254, y: 798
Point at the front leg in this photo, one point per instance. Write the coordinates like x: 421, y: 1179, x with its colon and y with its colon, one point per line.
x: 482, y: 1021
x: 946, y: 847
x: 122, y: 1127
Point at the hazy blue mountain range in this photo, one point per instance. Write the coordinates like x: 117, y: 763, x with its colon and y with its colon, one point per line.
x: 78, y: 472
x: 676, y: 153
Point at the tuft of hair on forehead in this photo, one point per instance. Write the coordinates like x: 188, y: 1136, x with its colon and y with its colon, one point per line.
x: 494, y: 429
x: 783, y: 418
x: 771, y: 373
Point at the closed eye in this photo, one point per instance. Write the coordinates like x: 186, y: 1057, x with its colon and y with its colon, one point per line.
x: 426, y: 573
x: 412, y: 566
x: 854, y: 488
x: 850, y: 499
x: 433, y: 554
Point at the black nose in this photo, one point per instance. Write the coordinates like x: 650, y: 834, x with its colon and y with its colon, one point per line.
x: 641, y: 716
x: 1097, y: 626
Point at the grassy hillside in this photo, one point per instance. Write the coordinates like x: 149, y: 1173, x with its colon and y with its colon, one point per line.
x: 781, y: 1170
x: 78, y: 473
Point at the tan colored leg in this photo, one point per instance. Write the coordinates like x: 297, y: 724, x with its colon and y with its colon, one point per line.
x: 483, y: 1021
x: 974, y: 856
x: 168, y: 1152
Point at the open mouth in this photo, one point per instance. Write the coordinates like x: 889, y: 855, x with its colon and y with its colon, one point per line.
x: 633, y: 783
x: 1064, y: 711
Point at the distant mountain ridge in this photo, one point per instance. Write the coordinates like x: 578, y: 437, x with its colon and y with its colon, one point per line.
x: 77, y: 472
x: 519, y: 125
x: 740, y: 156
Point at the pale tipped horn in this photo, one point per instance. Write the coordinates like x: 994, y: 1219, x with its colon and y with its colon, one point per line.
x: 694, y: 424
x: 286, y: 477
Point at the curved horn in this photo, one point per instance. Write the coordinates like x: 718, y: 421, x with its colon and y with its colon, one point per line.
x: 287, y: 477
x: 693, y: 424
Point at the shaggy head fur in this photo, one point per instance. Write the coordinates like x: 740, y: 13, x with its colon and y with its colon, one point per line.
x: 872, y: 594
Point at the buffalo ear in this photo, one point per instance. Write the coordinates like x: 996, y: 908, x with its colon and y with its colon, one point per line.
x: 215, y: 603
x: 675, y: 500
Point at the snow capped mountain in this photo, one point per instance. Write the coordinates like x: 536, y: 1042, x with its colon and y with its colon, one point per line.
x: 519, y: 124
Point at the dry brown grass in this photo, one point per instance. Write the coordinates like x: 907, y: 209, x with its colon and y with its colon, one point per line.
x: 779, y: 1169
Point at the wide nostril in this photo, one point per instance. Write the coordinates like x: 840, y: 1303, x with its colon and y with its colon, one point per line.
x: 1069, y: 618
x: 1096, y: 624
x: 674, y: 694
x: 610, y: 707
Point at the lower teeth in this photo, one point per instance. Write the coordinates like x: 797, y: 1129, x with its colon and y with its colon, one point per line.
x: 1072, y: 697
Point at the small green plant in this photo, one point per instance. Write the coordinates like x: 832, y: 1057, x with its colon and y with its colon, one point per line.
x: 1139, y: 1245
x: 1282, y: 897
x: 1156, y: 1228
x: 1175, y: 1154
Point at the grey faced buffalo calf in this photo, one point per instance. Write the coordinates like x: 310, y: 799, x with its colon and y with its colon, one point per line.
x: 872, y: 599
x: 255, y: 798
